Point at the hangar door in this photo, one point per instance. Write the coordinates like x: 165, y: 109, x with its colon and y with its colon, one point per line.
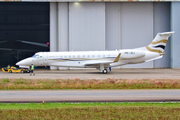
x: 24, y: 30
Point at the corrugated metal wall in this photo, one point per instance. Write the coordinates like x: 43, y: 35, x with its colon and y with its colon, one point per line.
x: 113, y: 26
x: 63, y: 25
x: 175, y: 42
x: 86, y: 26
x: 162, y: 24
x: 110, y: 26
x: 53, y: 29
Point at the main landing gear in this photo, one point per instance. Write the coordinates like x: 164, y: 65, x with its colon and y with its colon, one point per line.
x: 105, y: 71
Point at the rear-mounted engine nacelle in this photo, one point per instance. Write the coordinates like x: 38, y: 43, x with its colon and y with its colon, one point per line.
x: 131, y: 54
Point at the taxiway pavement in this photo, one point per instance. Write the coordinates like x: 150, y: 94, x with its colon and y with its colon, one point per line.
x: 95, y: 74
x: 26, y: 96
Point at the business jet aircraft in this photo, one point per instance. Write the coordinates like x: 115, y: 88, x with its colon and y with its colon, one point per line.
x: 101, y: 60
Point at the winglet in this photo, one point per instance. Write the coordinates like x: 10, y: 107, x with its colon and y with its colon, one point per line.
x: 117, y: 58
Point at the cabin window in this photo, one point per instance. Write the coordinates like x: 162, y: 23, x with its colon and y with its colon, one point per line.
x: 69, y: 56
x: 73, y: 56
x: 99, y: 56
x: 103, y: 55
x: 93, y: 56
x: 83, y: 56
x: 78, y: 56
x: 88, y: 56
x: 64, y: 56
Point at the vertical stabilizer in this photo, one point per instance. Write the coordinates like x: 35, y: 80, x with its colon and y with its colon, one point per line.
x: 159, y: 42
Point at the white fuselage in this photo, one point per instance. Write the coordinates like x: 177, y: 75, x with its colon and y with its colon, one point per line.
x: 89, y: 59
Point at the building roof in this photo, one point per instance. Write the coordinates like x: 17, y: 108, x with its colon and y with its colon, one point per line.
x: 92, y: 0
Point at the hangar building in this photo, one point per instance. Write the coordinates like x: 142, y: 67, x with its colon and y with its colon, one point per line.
x: 26, y: 26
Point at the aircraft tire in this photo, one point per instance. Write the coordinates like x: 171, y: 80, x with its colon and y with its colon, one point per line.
x: 105, y: 71
x: 22, y: 71
x: 10, y: 71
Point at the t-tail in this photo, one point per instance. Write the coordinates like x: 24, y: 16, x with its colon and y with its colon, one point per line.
x: 159, y: 42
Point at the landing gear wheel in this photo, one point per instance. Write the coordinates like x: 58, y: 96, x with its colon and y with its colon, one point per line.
x: 105, y: 71
x: 10, y: 71
x: 22, y: 71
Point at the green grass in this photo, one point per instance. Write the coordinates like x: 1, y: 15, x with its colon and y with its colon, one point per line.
x: 49, y: 105
x: 91, y: 111
x: 110, y: 83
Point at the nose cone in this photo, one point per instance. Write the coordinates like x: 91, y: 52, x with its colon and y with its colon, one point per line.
x: 18, y: 63
x: 25, y: 62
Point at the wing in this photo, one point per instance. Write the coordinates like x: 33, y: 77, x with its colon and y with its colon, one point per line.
x: 105, y: 62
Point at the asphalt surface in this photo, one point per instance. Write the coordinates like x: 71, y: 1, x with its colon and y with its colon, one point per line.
x: 21, y: 96
x: 95, y: 74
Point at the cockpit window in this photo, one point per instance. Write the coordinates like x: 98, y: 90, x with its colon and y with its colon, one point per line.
x: 36, y: 56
